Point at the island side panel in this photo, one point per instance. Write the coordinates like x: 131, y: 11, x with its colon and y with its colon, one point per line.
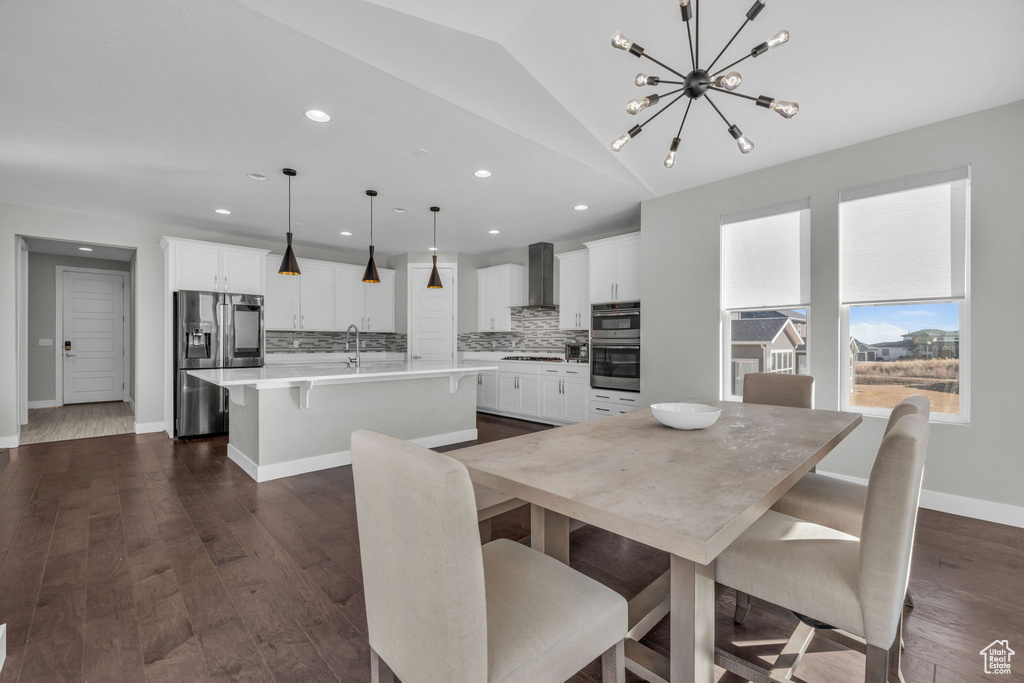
x: 420, y: 409
x: 243, y: 431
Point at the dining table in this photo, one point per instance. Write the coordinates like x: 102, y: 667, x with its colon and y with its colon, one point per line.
x: 689, y: 493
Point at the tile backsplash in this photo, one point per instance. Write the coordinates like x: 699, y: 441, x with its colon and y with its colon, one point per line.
x: 531, y: 331
x: 283, y: 341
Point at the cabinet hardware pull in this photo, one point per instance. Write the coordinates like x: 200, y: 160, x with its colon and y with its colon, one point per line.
x: 600, y: 396
x: 631, y: 400
x: 215, y: 283
x: 226, y: 285
x: 613, y: 292
x: 603, y: 410
x: 552, y: 370
x: 295, y: 322
x: 303, y: 322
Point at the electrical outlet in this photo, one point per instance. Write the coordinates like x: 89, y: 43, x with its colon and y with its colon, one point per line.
x: 46, y: 342
x: 295, y: 343
x: 363, y: 342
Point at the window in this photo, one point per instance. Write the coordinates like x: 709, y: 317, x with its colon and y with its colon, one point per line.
x: 904, y: 254
x: 765, y: 292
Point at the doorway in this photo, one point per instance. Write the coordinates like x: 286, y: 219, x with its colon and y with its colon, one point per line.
x: 78, y: 339
x: 432, y: 314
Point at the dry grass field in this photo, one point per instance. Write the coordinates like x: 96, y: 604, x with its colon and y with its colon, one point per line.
x: 884, y: 384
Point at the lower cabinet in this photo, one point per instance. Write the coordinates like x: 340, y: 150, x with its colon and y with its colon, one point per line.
x: 554, y: 396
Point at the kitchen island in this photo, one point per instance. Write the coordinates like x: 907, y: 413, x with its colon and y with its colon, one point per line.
x: 291, y: 419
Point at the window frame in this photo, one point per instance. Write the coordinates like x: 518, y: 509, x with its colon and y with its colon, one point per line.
x: 964, y: 416
x: 726, y: 360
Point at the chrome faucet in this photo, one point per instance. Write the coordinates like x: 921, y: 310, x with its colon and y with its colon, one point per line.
x: 348, y: 332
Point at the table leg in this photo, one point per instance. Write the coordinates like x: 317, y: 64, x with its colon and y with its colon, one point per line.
x: 549, y: 533
x: 692, y: 625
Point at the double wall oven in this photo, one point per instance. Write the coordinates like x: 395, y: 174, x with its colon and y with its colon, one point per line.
x: 615, y: 346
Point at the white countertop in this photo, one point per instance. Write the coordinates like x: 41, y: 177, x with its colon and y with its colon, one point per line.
x: 275, y: 376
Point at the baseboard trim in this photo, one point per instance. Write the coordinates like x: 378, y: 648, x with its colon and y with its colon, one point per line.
x: 150, y: 427
x: 10, y: 441
x: 3, y: 645
x: 986, y: 510
x: 325, y: 461
x: 48, y: 403
x: 131, y: 403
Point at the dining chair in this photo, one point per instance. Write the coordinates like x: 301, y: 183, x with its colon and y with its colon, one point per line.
x: 441, y: 607
x: 795, y: 391
x: 833, y: 502
x: 854, y: 586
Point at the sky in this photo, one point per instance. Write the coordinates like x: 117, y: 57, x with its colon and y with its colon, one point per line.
x: 874, y: 324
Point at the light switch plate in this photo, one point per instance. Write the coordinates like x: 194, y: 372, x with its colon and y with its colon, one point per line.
x: 46, y: 342
x: 295, y: 343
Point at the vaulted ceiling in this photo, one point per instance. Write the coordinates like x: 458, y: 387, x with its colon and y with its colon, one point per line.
x: 157, y: 110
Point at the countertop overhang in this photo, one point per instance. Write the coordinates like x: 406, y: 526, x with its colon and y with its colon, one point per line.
x: 305, y: 377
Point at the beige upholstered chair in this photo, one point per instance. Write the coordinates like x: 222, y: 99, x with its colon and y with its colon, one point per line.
x: 795, y: 391
x: 856, y: 585
x: 441, y: 608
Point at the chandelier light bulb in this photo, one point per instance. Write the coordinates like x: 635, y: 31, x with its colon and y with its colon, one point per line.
x: 643, y: 79
x: 638, y: 104
x: 779, y: 38
x: 742, y: 142
x: 626, y: 137
x: 620, y: 41
x: 786, y: 110
x: 729, y: 81
x: 670, y: 160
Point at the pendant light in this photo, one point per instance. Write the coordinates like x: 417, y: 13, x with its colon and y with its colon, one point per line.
x: 435, y: 277
x: 289, y: 264
x: 371, y: 274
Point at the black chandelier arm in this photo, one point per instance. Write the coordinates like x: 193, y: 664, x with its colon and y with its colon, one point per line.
x: 670, y: 92
x: 683, y: 123
x: 661, y: 111
x: 734, y: 94
x: 751, y: 15
x: 664, y: 82
x: 726, y: 68
x: 696, y: 14
x: 663, y: 66
x: 727, y: 122
x: 689, y: 38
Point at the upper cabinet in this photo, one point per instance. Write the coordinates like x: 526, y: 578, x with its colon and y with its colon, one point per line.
x: 211, y: 267
x: 574, y: 290
x: 615, y: 268
x: 328, y: 296
x: 498, y: 289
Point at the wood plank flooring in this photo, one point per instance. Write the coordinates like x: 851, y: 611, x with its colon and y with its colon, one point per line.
x: 77, y: 421
x: 138, y: 558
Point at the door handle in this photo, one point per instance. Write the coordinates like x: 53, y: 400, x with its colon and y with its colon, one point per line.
x: 68, y: 354
x: 417, y: 357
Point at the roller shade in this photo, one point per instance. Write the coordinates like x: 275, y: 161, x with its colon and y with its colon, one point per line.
x: 766, y: 257
x: 905, y: 239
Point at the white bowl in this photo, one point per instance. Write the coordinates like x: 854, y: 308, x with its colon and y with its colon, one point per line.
x: 686, y: 415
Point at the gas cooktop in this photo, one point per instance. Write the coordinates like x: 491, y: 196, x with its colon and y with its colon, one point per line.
x: 534, y: 358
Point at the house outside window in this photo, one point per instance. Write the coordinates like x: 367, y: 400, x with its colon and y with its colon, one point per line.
x: 905, y: 293
x: 765, y: 293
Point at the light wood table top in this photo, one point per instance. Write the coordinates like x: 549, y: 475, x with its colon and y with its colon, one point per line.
x: 690, y: 493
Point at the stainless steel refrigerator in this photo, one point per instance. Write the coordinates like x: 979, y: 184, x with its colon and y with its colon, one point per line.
x: 212, y: 330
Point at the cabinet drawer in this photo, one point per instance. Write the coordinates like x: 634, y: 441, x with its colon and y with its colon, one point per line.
x: 575, y: 370
x: 621, y: 398
x: 606, y: 409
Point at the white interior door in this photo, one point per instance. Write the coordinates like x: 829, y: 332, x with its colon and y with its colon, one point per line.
x: 93, y: 323
x: 432, y: 316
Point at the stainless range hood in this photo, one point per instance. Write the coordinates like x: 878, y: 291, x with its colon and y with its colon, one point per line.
x: 540, y: 278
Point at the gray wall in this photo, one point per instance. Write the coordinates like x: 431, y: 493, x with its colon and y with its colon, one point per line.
x: 680, y: 257
x: 42, y: 312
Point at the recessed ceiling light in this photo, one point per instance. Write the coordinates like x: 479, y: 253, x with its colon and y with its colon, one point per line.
x: 419, y: 152
x: 318, y: 116
x: 346, y: 233
x: 482, y: 173
x: 494, y: 232
x: 255, y: 176
x: 398, y: 210
x: 223, y: 212
x: 84, y: 249
x: 431, y: 248
x: 581, y: 207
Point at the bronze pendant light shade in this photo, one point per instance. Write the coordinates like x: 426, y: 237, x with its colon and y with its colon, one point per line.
x: 289, y: 264
x: 370, y: 274
x: 435, y: 277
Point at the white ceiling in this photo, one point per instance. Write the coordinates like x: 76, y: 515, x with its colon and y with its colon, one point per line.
x: 61, y: 248
x: 157, y: 110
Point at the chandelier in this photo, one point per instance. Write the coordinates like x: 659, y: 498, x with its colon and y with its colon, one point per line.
x: 696, y: 84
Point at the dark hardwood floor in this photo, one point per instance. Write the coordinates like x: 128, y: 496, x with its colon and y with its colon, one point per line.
x: 138, y: 558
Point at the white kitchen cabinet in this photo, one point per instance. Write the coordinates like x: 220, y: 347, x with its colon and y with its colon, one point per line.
x: 574, y: 391
x: 574, y: 290
x: 615, y: 269
x: 349, y: 298
x: 563, y: 398
x: 519, y: 392
x: 529, y: 395
x: 379, y: 309
x: 487, y: 390
x: 508, y: 392
x: 316, y: 305
x: 281, y: 301
x: 212, y: 267
x: 498, y: 289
